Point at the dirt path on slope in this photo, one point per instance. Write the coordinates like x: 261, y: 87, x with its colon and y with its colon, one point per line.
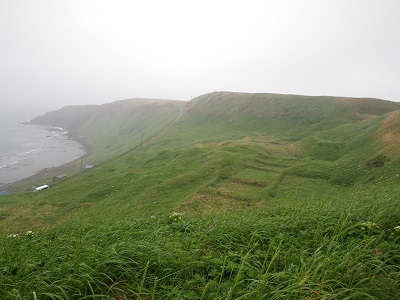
x: 159, y: 133
x: 163, y: 130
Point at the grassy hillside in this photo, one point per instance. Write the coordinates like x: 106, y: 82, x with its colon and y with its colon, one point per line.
x: 114, y: 128
x: 286, y: 115
x: 276, y: 197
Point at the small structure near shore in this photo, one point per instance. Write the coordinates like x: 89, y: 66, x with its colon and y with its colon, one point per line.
x: 41, y: 188
x: 58, y: 177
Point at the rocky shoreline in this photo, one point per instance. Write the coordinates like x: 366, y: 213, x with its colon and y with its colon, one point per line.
x: 48, y: 175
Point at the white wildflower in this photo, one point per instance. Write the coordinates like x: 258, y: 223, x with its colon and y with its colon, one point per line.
x: 369, y: 225
x: 29, y: 233
x: 175, y: 216
x: 13, y: 236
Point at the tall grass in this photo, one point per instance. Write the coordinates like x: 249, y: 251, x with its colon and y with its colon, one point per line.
x: 304, y: 249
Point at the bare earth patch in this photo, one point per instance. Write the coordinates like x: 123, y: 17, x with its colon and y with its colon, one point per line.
x: 202, y: 203
x: 389, y: 133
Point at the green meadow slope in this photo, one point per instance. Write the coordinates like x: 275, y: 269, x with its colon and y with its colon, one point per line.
x: 219, y: 152
x: 277, y: 196
x: 114, y: 128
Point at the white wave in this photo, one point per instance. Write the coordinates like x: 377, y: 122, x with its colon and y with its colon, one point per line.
x: 54, y: 128
x: 5, y: 166
x: 29, y: 152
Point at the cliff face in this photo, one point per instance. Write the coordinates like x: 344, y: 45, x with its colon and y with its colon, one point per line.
x: 69, y: 117
x: 113, y: 128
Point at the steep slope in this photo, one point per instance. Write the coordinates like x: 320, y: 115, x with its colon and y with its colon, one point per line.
x: 389, y: 134
x: 114, y: 128
x: 285, y: 114
x: 304, y: 140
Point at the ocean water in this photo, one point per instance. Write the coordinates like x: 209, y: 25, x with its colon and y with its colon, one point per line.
x: 27, y: 149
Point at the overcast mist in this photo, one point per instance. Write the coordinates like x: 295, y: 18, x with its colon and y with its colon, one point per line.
x: 55, y: 53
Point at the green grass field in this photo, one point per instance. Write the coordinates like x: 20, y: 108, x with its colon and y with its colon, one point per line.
x: 235, y: 196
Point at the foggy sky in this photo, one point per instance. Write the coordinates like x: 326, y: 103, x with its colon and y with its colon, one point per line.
x: 59, y: 52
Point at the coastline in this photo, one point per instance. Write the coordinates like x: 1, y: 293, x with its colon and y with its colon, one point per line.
x: 47, y: 175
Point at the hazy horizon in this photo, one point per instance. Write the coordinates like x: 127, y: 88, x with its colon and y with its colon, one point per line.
x: 56, y: 53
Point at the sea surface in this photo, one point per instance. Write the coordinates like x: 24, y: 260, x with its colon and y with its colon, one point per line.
x: 28, y: 149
